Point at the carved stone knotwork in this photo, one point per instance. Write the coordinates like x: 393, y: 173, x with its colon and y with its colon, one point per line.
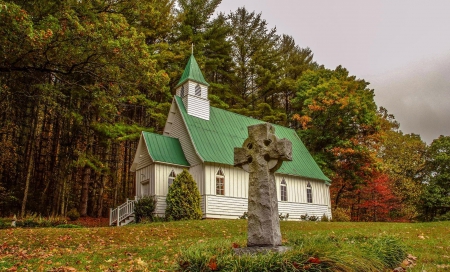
x: 261, y: 155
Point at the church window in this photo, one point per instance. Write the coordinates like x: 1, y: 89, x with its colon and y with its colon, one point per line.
x: 198, y: 90
x: 220, y: 182
x: 283, y: 190
x: 309, y: 193
x: 182, y: 91
x: 171, y: 177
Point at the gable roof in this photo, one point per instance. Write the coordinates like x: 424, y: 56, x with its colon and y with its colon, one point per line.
x: 216, y: 139
x: 192, y: 72
x: 164, y: 149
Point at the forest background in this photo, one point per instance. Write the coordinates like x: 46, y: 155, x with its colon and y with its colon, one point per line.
x: 79, y: 81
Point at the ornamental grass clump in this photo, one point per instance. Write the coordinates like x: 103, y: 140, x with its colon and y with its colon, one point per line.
x: 183, y: 199
x: 307, y: 253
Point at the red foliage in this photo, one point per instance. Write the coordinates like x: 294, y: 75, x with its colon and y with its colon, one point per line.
x: 212, y: 264
x: 376, y: 199
x: 314, y: 260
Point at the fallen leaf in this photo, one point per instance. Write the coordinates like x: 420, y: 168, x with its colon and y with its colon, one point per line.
x: 213, y: 263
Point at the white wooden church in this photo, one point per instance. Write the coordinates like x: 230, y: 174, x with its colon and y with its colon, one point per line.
x: 202, y: 139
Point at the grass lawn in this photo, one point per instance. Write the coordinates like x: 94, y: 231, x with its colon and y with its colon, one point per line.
x: 156, y: 246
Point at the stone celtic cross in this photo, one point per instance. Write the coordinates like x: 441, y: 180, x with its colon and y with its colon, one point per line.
x: 261, y: 155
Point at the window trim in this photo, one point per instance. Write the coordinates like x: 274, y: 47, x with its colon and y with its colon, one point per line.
x: 182, y: 91
x: 220, y: 178
x: 171, y: 178
x: 283, y: 190
x: 198, y: 90
x: 309, y: 197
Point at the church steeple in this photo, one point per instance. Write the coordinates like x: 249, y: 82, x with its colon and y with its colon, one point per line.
x: 193, y: 89
x: 192, y: 72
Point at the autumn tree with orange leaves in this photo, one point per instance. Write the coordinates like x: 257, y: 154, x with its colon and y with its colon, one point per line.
x: 337, y: 119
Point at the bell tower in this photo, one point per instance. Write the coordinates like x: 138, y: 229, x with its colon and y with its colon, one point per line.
x: 193, y: 90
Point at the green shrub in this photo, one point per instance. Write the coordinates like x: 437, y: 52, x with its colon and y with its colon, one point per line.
x: 144, y: 208
x: 304, y: 217
x: 183, y: 199
x: 443, y: 217
x: 244, y: 216
x: 340, y: 215
x: 324, y: 218
x: 308, y: 253
x: 73, y: 214
x: 4, y: 223
x: 283, y: 217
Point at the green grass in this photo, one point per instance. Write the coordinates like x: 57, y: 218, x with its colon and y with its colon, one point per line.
x: 150, y: 247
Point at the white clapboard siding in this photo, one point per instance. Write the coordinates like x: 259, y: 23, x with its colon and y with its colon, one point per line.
x: 225, y: 207
x: 160, y: 206
x: 162, y: 172
x: 296, y: 189
x: 145, y: 181
x: 197, y: 106
x: 236, y: 180
x: 176, y: 128
x: 295, y: 210
x: 199, y: 177
x: 204, y: 89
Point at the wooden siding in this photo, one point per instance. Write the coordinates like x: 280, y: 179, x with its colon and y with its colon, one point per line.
x: 142, y: 175
x: 199, y: 177
x: 160, y: 206
x: 236, y: 180
x: 296, y: 189
x: 144, y: 160
x: 170, y: 118
x: 204, y: 94
x: 197, y: 106
x: 295, y: 210
x: 162, y: 172
x: 225, y: 207
x: 141, y: 157
x: 177, y: 129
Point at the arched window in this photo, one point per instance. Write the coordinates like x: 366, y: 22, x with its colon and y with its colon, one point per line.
x: 309, y: 193
x: 198, y: 90
x: 283, y: 190
x: 171, y: 178
x: 220, y: 182
x: 182, y: 91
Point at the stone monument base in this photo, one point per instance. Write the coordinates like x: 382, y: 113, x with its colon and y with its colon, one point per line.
x: 260, y: 250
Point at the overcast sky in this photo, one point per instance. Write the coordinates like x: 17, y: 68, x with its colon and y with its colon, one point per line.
x: 402, y: 47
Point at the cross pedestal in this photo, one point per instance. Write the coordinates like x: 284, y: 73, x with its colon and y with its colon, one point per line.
x: 261, y: 155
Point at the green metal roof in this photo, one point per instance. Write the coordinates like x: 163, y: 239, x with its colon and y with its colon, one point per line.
x: 164, y: 149
x: 216, y: 138
x: 192, y: 72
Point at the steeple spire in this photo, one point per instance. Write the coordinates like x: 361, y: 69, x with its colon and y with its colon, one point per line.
x: 193, y: 89
x: 192, y: 72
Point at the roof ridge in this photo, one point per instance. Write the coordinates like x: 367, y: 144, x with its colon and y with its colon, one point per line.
x: 254, y: 119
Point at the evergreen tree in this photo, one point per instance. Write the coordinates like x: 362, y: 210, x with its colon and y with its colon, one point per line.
x: 183, y: 199
x: 253, y: 51
x: 435, y: 199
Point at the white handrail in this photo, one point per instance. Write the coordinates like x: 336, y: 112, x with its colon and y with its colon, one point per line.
x: 120, y: 213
